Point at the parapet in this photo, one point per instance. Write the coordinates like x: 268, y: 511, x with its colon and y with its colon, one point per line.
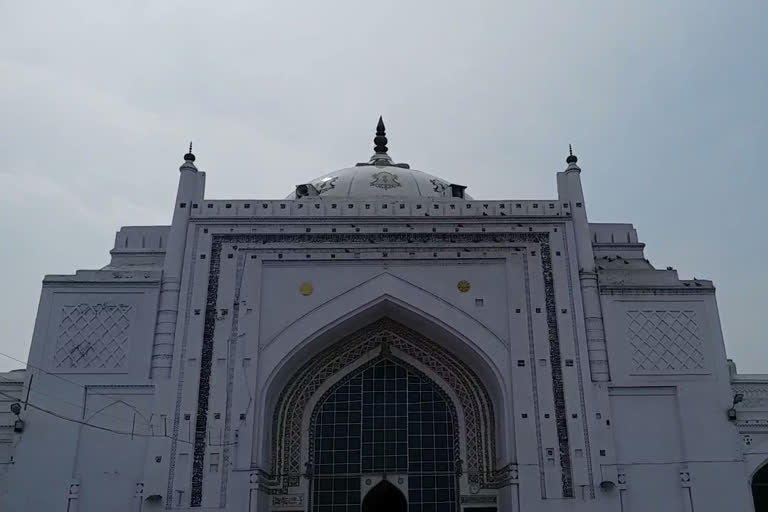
x: 609, y: 239
x: 379, y: 207
x: 139, y: 247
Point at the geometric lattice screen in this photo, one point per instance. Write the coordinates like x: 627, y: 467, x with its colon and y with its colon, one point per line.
x: 93, y: 336
x: 384, y: 419
x: 664, y: 341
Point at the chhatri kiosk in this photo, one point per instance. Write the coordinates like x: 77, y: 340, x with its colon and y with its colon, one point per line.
x: 380, y: 340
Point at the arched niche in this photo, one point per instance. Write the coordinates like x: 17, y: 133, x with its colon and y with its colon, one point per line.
x: 316, y: 370
x: 459, y: 332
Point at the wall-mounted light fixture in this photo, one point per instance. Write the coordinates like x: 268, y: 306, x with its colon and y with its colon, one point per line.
x: 18, y: 425
x: 737, y: 399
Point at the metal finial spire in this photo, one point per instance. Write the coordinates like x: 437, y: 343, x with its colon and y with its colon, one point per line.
x: 380, y: 140
x: 572, y: 159
x: 189, y: 156
x: 380, y: 158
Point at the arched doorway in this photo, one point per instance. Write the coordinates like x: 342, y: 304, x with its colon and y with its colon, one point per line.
x: 292, y: 434
x: 384, y: 418
x: 760, y: 489
x: 385, y: 497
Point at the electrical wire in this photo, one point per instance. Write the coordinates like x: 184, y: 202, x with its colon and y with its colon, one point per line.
x: 106, y: 429
x: 135, y: 409
x: 80, y: 406
x: 27, y: 363
x: 142, y: 414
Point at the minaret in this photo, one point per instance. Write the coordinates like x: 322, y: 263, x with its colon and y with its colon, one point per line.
x: 569, y: 189
x: 190, y: 190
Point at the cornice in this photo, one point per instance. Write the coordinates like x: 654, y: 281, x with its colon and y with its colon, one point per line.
x: 111, y: 277
x: 380, y: 219
x: 609, y: 246
x: 654, y: 290
x: 752, y: 426
x: 96, y: 284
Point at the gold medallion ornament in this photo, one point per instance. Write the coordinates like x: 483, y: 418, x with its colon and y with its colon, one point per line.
x: 463, y: 286
x: 306, y: 288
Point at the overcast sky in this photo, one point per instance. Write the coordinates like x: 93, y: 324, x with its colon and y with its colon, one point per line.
x: 665, y: 103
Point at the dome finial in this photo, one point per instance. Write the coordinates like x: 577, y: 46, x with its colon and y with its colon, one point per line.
x: 380, y: 140
x: 189, y: 157
x: 572, y: 159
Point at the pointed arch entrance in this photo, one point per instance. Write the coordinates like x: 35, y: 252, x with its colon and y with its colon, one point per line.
x: 302, y: 425
x: 385, y: 497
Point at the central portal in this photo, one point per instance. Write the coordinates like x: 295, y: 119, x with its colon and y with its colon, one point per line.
x: 384, y: 418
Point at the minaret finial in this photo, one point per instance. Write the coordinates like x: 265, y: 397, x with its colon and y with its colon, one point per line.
x: 380, y: 158
x: 380, y: 140
x: 189, y: 156
x: 572, y: 159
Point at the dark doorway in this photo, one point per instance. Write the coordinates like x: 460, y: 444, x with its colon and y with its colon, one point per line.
x: 760, y: 489
x: 385, y: 497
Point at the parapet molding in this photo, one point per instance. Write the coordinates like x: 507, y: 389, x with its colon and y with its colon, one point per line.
x: 655, y: 290
x: 758, y: 378
x: 613, y: 233
x: 136, y: 252
x: 111, y: 389
x: 754, y: 389
x: 379, y: 207
x: 142, y: 238
x: 99, y: 277
x: 639, y: 246
x: 11, y: 380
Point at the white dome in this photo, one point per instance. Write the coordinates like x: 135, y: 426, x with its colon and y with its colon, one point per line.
x: 380, y: 177
x: 379, y: 181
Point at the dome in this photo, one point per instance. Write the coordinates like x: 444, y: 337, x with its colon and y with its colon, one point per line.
x: 380, y: 177
x: 374, y: 181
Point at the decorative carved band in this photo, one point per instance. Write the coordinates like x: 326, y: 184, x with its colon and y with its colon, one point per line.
x: 755, y: 394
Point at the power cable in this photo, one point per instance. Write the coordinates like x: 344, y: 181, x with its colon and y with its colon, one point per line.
x: 106, y: 429
x: 142, y: 414
x: 80, y: 406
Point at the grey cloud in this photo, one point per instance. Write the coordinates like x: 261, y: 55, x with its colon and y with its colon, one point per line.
x: 664, y: 102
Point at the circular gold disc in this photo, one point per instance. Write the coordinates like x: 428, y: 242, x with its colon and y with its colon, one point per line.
x: 463, y: 286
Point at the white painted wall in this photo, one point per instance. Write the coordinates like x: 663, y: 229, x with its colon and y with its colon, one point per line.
x: 105, y: 434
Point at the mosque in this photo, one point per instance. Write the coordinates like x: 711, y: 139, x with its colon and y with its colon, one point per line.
x: 380, y: 340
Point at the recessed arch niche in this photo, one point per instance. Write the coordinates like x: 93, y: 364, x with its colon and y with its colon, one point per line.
x: 289, y: 445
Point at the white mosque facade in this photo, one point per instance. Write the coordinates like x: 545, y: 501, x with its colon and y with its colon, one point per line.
x: 380, y: 340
